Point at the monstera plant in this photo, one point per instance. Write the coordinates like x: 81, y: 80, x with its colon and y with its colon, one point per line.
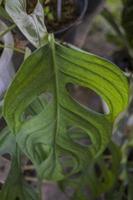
x: 44, y: 121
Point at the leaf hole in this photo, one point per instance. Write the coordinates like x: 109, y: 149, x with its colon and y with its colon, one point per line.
x: 37, y: 106
x: 17, y: 198
x: 67, y: 162
x: 39, y: 152
x: 76, y: 176
x: 97, y: 170
x: 1, y: 49
x: 87, y: 98
x: 107, y: 157
x: 2, y: 123
x: 79, y: 136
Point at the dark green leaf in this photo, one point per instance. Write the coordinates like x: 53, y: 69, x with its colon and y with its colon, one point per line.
x: 111, y: 20
x: 127, y: 20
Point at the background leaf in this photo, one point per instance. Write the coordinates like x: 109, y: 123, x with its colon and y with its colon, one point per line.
x: 127, y: 20
x: 15, y: 186
x: 102, y: 172
x: 46, y: 138
x: 32, y: 25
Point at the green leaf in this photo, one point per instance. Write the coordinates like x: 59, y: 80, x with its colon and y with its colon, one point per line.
x: 4, y: 14
x: 127, y: 20
x: 112, y: 21
x: 15, y: 186
x: 46, y: 137
x: 7, y: 142
x: 32, y: 25
x: 102, y: 172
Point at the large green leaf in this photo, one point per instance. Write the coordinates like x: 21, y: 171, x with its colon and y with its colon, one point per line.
x: 46, y: 137
x: 127, y: 20
x: 32, y: 25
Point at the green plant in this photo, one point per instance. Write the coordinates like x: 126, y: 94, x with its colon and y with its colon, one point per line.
x: 122, y: 30
x: 46, y: 124
x: 123, y: 27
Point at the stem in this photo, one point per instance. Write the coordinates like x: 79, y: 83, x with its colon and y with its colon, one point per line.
x: 59, y: 9
x: 10, y: 47
x: 7, y: 30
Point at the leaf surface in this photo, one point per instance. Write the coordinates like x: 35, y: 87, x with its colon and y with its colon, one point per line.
x: 46, y: 137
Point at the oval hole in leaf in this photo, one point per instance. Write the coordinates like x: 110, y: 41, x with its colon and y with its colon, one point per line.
x: 2, y: 123
x: 75, y: 176
x: 79, y: 136
x: 36, y: 107
x: 107, y: 156
x: 39, y: 152
x: 1, y: 49
x: 87, y: 98
x: 67, y: 162
x: 69, y: 191
x: 99, y: 173
x: 29, y: 171
x: 97, y: 170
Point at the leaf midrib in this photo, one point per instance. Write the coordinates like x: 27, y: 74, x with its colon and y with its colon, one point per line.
x: 55, y: 68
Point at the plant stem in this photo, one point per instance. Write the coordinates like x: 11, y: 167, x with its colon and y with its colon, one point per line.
x: 10, y: 47
x: 59, y: 9
x: 7, y: 30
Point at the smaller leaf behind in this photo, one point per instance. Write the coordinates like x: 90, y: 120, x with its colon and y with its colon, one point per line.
x: 101, y: 172
x: 31, y: 25
x: 15, y: 187
x: 127, y: 20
